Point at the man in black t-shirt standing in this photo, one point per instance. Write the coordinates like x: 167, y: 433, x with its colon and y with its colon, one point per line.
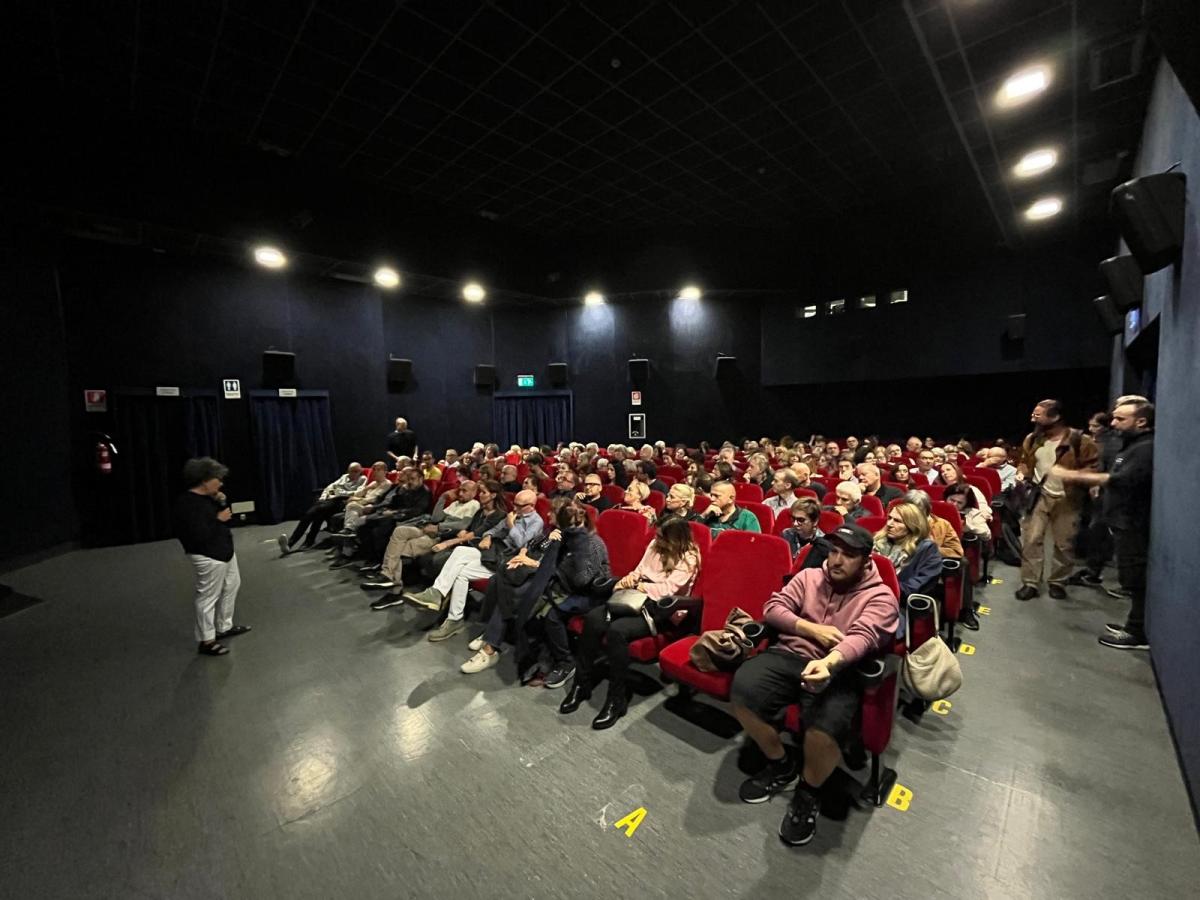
x: 401, y: 442
x: 199, y: 518
x: 1126, y: 498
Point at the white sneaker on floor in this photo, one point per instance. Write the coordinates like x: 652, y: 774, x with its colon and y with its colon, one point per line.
x: 479, y: 662
x: 476, y: 643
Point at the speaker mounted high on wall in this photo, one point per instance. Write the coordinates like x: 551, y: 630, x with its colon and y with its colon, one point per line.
x: 485, y: 376
x: 1149, y: 213
x: 399, y: 373
x: 557, y: 373
x: 1110, y: 316
x: 725, y: 366
x: 1125, y: 281
x: 278, y: 369
x: 1014, y: 328
x: 639, y: 371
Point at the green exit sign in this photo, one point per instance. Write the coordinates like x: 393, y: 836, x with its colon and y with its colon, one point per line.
x: 525, y: 381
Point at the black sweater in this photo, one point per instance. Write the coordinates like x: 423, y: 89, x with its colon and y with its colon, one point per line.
x: 194, y: 520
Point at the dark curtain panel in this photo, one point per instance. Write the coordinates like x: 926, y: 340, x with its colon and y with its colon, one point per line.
x: 154, y: 436
x: 533, y: 419
x: 293, y: 442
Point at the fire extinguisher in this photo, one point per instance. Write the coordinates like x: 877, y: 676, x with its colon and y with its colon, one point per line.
x: 105, y: 451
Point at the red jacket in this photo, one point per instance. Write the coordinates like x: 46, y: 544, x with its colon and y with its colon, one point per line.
x: 867, y: 614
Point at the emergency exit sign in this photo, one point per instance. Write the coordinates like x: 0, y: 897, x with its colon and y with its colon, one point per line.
x: 526, y: 381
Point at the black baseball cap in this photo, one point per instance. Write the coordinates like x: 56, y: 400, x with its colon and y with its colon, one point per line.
x: 853, y: 537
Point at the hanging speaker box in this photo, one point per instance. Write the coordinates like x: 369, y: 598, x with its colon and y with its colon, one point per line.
x: 1109, y: 316
x: 1149, y: 213
x: 485, y: 376
x: 557, y: 373
x: 1125, y: 281
x: 278, y: 369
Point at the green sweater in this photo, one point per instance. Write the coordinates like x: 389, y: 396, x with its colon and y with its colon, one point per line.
x: 742, y: 520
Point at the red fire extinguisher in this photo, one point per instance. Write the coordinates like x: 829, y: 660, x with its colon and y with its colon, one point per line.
x: 103, y: 459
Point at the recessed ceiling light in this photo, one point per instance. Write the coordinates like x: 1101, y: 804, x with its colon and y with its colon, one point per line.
x: 593, y: 298
x: 1036, y: 162
x: 387, y: 277
x: 473, y: 292
x: 690, y: 292
x: 1022, y: 86
x: 1044, y: 208
x: 270, y: 257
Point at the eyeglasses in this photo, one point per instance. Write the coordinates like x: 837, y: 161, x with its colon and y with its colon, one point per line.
x: 798, y: 519
x: 592, y: 484
x: 523, y: 506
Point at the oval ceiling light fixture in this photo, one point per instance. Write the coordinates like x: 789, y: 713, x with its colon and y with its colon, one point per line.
x: 593, y: 298
x: 1035, y: 162
x: 689, y: 292
x: 473, y: 292
x: 1023, y: 86
x: 387, y: 277
x: 1044, y: 208
x: 270, y: 257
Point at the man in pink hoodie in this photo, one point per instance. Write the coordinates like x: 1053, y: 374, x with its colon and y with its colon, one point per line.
x: 828, y: 619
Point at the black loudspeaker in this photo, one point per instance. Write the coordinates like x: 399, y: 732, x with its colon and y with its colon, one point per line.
x: 1149, y: 213
x: 1125, y: 281
x: 399, y: 373
x: 1014, y: 330
x: 1109, y: 316
x: 725, y: 366
x: 558, y: 374
x: 639, y: 371
x: 485, y: 376
x: 278, y: 369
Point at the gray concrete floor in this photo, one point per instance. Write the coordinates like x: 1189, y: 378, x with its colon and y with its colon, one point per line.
x: 336, y: 753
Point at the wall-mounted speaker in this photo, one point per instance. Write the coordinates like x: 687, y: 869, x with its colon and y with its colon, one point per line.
x: 639, y: 371
x: 278, y: 369
x: 725, y: 366
x: 1125, y: 281
x: 485, y: 376
x: 399, y: 373
x: 1110, y: 317
x: 1149, y: 213
x: 1014, y: 328
x: 558, y: 374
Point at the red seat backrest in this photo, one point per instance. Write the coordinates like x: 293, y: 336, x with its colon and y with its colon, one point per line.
x: 543, y: 509
x: 668, y: 480
x: 746, y: 492
x: 830, y: 520
x: 944, y: 509
x: 702, y: 503
x: 656, y: 499
x: 872, y: 523
x: 626, y: 535
x: 872, y: 504
x: 887, y: 572
x: 984, y: 485
x: 762, y: 512
x: 522, y: 471
x: 992, y: 477
x: 547, y: 486
x: 743, y: 569
x: 615, y: 493
x: 806, y: 492
x: 783, y: 519
x: 703, y: 539
x: 935, y: 491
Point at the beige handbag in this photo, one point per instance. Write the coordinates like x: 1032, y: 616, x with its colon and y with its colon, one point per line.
x: 724, y: 650
x: 932, y: 671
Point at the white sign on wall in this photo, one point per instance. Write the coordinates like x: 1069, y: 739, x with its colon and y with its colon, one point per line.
x: 635, y: 398
x: 287, y: 392
x: 637, y: 426
x: 161, y: 391
x: 232, y: 388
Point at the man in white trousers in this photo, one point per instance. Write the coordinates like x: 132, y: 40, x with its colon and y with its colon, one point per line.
x: 199, y: 519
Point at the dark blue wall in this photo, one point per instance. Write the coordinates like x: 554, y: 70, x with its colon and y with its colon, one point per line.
x: 1172, y: 134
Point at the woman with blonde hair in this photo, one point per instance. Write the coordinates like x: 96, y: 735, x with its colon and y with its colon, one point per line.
x: 635, y: 500
x: 680, y: 500
x: 905, y: 541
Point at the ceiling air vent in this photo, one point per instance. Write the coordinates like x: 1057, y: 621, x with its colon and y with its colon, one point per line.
x: 1116, y: 61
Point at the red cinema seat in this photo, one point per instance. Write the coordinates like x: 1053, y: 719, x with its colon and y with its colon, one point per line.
x: 656, y: 500
x: 935, y: 491
x: 990, y: 475
x: 615, y: 493
x: 743, y: 569
x: 702, y: 503
x: 762, y: 512
x: 543, y: 509
x: 872, y: 523
x: 783, y: 520
x: 522, y: 471
x: 747, y: 493
x: 806, y: 492
x: 547, y: 486
x: 626, y: 535
x: 830, y: 520
x: 955, y: 586
x: 646, y: 649
x: 668, y: 480
x: 872, y: 504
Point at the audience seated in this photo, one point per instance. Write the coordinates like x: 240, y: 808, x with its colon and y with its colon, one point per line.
x: 805, y: 530
x: 723, y: 514
x: 636, y: 493
x: 329, y: 503
x: 679, y: 503
x: 593, y: 493
x: 408, y: 500
x: 362, y: 502
x: 804, y: 479
x: 783, y: 486
x: 997, y: 458
x: 926, y: 472
x: 941, y: 532
x: 904, y: 540
x: 871, y: 481
x: 647, y: 474
x: 975, y: 517
x: 849, y: 501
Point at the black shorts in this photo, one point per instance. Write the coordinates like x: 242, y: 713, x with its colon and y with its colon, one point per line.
x: 768, y: 683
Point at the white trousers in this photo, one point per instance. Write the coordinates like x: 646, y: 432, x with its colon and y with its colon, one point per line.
x: 217, y: 585
x: 453, y: 581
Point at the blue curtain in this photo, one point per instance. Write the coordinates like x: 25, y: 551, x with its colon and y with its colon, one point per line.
x: 293, y: 443
x: 529, y: 419
x: 154, y: 436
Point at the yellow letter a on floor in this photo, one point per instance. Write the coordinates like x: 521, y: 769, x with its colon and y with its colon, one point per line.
x: 632, y: 821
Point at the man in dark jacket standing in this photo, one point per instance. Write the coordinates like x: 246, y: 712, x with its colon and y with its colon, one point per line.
x: 198, y: 519
x: 1126, y: 498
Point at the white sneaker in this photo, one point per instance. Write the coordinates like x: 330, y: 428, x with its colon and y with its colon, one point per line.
x: 476, y: 643
x: 479, y: 662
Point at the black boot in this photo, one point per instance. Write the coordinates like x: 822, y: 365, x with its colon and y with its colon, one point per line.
x: 968, y: 619
x: 579, y: 691
x: 614, y: 707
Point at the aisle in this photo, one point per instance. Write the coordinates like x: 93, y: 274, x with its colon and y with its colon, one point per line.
x: 336, y: 752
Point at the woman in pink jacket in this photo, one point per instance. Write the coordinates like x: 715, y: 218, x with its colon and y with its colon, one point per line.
x: 668, y: 569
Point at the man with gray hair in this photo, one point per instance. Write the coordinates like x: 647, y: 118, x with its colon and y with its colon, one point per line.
x: 199, y: 521
x: 401, y: 442
x: 329, y: 504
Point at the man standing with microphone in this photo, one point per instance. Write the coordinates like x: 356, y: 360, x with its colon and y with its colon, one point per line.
x: 199, y: 518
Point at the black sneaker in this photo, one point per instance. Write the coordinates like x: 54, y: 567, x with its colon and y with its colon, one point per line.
x: 770, y: 781
x: 387, y: 600
x: 380, y: 585
x: 1124, y: 641
x: 967, y: 619
x: 559, y: 675
x: 341, y: 563
x: 799, y: 823
x: 1114, y: 628
x: 1026, y: 592
x: 1085, y: 579
x: 1058, y: 592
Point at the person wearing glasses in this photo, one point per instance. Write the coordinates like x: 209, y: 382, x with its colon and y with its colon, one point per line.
x: 680, y: 500
x: 806, y: 529
x: 500, y: 543
x: 593, y: 494
x: 564, y: 485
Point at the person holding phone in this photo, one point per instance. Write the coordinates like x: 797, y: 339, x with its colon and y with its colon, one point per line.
x: 200, y: 520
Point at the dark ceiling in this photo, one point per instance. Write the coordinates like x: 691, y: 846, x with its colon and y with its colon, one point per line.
x: 559, y: 117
